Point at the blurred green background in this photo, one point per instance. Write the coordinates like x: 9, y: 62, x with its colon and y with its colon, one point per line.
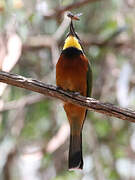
x: 34, y: 132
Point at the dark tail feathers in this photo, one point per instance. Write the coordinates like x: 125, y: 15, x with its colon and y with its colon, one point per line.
x: 75, y: 152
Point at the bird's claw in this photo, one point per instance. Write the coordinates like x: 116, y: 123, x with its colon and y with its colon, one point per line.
x: 73, y: 92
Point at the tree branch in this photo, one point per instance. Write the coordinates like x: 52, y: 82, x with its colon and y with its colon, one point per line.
x: 59, y: 10
x: 24, y: 101
x: 56, y: 92
x: 42, y: 41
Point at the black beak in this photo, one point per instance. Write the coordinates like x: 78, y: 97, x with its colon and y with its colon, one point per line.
x: 72, y: 31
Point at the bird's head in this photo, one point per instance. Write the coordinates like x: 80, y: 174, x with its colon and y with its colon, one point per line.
x: 72, y: 39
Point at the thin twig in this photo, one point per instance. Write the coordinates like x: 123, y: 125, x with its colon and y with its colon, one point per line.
x: 24, y: 101
x: 59, y: 10
x: 56, y: 92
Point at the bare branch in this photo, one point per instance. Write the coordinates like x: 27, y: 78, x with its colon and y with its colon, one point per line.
x: 58, y: 11
x: 38, y: 41
x: 56, y: 92
x: 62, y: 28
x: 24, y: 101
x: 58, y: 139
x: 42, y: 41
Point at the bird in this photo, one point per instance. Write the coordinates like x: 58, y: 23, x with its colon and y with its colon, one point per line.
x: 74, y: 74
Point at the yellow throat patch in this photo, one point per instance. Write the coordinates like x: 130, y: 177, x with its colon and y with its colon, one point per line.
x: 72, y: 41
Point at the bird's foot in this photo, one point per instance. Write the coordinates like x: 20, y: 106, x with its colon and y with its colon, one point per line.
x: 58, y: 88
x: 73, y: 92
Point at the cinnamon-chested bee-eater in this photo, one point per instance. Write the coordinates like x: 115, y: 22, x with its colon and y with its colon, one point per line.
x: 73, y: 73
